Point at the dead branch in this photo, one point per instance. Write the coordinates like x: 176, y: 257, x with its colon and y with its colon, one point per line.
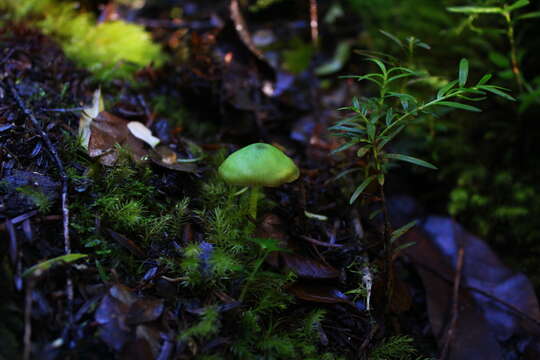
x: 61, y: 170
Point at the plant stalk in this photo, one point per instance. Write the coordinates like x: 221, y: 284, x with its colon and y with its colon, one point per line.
x: 513, y: 51
x: 386, y: 234
x: 253, y: 199
x: 252, y: 275
x: 388, y: 277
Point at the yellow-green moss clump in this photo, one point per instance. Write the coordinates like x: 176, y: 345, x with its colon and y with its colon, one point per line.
x: 109, y: 50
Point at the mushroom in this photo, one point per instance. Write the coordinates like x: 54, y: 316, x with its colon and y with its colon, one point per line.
x: 258, y: 165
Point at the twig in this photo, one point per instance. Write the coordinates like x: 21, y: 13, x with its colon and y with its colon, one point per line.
x: 149, y: 116
x: 56, y: 158
x: 314, y: 22
x: 241, y: 28
x: 320, y: 243
x: 455, y: 303
x: 368, y: 338
x: 75, y: 109
x: 28, y: 319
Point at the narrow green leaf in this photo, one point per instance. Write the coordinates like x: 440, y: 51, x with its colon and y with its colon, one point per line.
x: 356, y: 102
x: 463, y: 71
x: 404, y: 246
x: 484, y: 79
x: 457, y: 105
x: 410, y: 159
x: 396, y: 234
x: 423, y: 45
x: 379, y: 84
x: 268, y: 244
x: 403, y: 69
x: 389, y: 116
x: 402, y: 96
x: 392, y: 37
x: 363, y: 151
x: 346, y: 172
x: 517, y: 5
x: 361, y: 188
x: 475, y: 9
x: 346, y: 129
x: 442, y: 91
x: 396, y: 77
x: 371, y: 131
x: 531, y: 15
x: 464, y: 97
x: 374, y: 214
x: 496, y: 91
x: 499, y: 59
x: 379, y: 63
x: 389, y: 138
x: 47, y: 264
x: 343, y: 147
x: 404, y: 103
x: 349, y: 121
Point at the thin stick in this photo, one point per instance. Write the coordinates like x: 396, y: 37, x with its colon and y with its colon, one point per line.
x: 147, y: 113
x: 28, y: 319
x: 56, y: 158
x: 455, y: 304
x: 389, y: 278
x: 75, y: 109
x: 314, y: 22
x: 320, y: 243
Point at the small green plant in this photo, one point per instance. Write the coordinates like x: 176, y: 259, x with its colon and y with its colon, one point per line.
x: 511, y: 15
x: 376, y: 121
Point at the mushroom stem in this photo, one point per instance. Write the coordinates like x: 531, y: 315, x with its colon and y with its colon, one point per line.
x: 253, y: 199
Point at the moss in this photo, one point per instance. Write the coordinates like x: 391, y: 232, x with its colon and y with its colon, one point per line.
x: 229, y: 260
x: 123, y: 199
x: 396, y: 347
x: 40, y: 199
x: 207, y: 325
x: 298, y: 57
x: 109, y: 50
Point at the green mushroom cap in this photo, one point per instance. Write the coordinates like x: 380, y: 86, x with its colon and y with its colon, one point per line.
x: 258, y: 164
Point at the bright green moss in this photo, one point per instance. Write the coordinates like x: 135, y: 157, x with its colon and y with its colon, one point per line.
x: 109, y: 50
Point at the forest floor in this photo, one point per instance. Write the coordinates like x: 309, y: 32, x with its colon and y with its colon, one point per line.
x: 117, y: 249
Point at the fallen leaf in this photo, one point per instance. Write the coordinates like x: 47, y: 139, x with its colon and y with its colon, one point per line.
x: 496, y: 304
x: 308, y: 268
